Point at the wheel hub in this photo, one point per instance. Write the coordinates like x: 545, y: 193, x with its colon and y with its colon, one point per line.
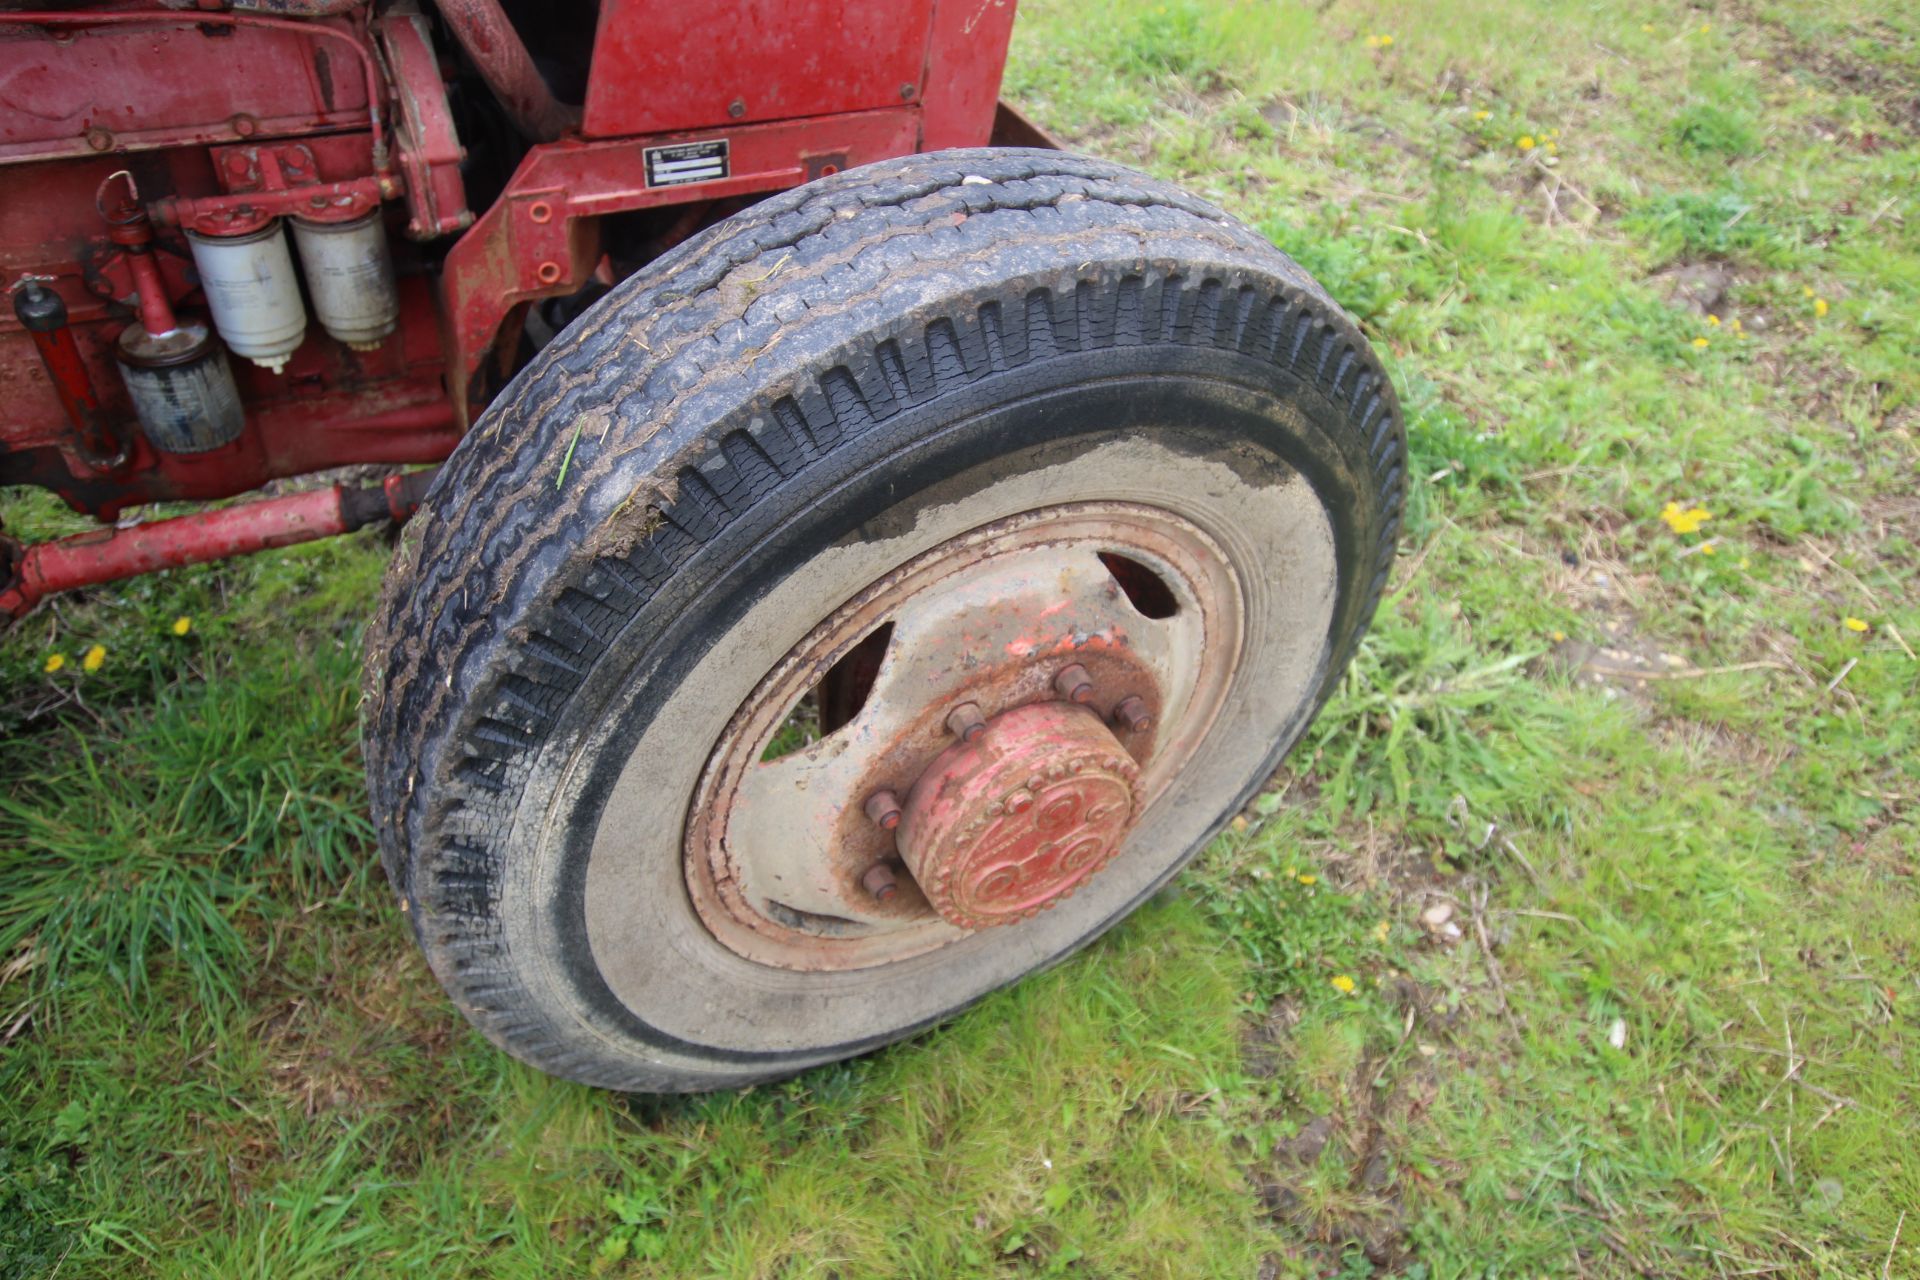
x: 1021, y: 710
x: 1001, y: 828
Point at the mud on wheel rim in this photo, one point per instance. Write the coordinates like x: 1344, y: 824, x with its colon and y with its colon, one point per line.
x: 1124, y: 618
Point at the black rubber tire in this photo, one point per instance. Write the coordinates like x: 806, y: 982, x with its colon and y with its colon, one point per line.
x: 781, y: 382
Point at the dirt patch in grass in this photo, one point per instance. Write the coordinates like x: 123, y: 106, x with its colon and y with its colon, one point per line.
x: 1341, y: 1182
x: 1897, y: 97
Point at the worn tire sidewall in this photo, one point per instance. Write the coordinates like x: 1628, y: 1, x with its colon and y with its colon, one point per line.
x: 1226, y: 403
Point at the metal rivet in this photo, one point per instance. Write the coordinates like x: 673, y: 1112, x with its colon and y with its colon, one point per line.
x: 1074, y: 684
x: 966, y: 723
x: 737, y: 108
x: 1133, y: 714
x: 906, y: 93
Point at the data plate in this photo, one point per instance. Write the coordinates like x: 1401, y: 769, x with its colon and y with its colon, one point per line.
x: 686, y: 162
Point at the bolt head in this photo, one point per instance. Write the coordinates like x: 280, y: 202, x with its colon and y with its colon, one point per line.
x: 879, y: 881
x: 1074, y: 684
x: 737, y: 108
x: 883, y: 810
x: 966, y: 723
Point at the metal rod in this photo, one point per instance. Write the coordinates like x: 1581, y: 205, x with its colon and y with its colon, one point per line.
x: 107, y: 555
x: 44, y: 315
x: 501, y: 56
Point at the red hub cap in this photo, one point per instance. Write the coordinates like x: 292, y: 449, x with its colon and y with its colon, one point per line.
x: 1001, y: 828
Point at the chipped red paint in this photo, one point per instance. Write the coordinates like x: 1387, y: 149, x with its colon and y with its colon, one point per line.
x: 1001, y: 828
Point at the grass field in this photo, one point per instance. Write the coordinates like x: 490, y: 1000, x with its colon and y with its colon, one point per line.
x: 1582, y: 937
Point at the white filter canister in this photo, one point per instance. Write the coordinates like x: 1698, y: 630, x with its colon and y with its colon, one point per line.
x: 349, y: 269
x: 253, y: 293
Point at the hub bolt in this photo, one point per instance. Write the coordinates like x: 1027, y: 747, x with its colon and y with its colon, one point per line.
x: 879, y: 881
x: 1133, y: 714
x: 883, y: 810
x: 1074, y: 684
x: 966, y: 723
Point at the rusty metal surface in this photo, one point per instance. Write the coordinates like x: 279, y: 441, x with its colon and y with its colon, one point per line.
x: 103, y: 89
x: 540, y: 239
x: 776, y: 850
x: 1001, y: 828
x: 425, y: 141
x: 501, y: 57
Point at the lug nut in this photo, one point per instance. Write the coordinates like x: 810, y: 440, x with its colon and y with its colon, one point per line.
x: 965, y: 722
x: 883, y: 810
x: 1133, y: 714
x: 1074, y: 684
x: 878, y: 880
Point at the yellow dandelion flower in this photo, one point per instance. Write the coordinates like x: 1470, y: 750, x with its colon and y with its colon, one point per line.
x: 1525, y: 142
x: 1559, y: 637
x: 1343, y: 984
x: 1553, y: 148
x: 1806, y: 291
x: 1386, y: 40
x: 94, y: 658
x: 1706, y: 548
x: 1381, y: 930
x: 54, y: 662
x: 1684, y: 519
x: 1713, y: 320
x: 1701, y: 342
x: 1820, y: 306
x: 1705, y: 27
x: 1309, y: 879
x: 1737, y: 326
x: 1483, y: 115
x: 1856, y: 624
x: 182, y: 625
x: 1745, y: 563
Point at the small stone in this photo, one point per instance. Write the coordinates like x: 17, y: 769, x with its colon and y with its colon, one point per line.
x: 1437, y: 914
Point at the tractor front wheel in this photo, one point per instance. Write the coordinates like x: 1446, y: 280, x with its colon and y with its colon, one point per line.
x: 867, y: 604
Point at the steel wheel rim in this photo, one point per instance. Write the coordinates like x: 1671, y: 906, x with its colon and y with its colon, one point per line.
x: 775, y: 851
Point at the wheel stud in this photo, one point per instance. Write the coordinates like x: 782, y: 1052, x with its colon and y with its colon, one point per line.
x: 965, y: 722
x: 883, y: 810
x: 879, y: 881
x: 1074, y: 684
x: 1133, y: 714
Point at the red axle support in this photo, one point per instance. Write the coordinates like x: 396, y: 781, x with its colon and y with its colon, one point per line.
x: 107, y: 555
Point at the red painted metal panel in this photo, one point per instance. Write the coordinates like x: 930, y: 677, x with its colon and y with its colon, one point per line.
x: 965, y: 56
x: 662, y: 65
x: 138, y: 86
x: 533, y: 242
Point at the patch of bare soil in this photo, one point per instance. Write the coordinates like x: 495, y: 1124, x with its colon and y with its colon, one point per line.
x: 1341, y: 1183
x: 1898, y: 98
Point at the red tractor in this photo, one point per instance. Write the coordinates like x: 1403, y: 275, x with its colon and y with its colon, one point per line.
x: 864, y: 560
